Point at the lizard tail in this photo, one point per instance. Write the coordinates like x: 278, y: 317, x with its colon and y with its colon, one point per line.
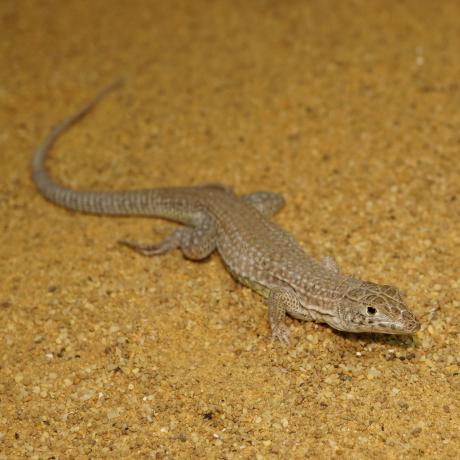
x: 171, y: 202
x: 39, y: 173
x: 54, y: 192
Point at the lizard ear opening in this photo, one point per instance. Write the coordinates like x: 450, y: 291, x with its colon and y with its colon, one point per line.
x: 371, y: 310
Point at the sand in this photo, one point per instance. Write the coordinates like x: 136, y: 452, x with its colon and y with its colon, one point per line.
x: 350, y: 109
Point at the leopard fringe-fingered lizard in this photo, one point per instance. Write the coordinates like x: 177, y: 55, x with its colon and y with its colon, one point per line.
x: 255, y: 250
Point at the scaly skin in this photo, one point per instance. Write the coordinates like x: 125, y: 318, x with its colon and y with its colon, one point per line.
x: 255, y: 250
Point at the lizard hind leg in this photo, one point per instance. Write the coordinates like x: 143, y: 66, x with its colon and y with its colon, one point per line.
x: 196, y: 243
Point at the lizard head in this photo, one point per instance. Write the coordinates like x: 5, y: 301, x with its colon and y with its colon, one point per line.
x: 370, y: 307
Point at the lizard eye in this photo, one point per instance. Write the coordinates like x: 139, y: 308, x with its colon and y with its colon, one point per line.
x: 371, y: 310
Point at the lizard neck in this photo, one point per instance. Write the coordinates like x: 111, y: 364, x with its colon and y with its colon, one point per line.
x: 320, y: 296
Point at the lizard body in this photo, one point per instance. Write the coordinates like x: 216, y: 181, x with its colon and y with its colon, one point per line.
x: 256, y: 251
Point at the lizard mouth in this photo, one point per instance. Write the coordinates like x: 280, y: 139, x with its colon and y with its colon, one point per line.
x: 406, y: 325
x: 403, y: 327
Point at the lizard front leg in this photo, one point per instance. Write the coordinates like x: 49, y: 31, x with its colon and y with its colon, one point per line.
x: 282, y: 300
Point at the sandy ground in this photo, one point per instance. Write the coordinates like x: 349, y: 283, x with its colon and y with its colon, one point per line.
x: 350, y: 109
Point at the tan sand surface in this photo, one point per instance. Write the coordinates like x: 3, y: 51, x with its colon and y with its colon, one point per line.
x: 351, y: 109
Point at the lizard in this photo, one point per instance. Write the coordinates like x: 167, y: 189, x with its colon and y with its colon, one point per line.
x: 255, y: 250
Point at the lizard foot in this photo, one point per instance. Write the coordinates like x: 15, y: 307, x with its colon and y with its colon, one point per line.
x: 281, y: 333
x: 148, y: 250
x: 172, y: 241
